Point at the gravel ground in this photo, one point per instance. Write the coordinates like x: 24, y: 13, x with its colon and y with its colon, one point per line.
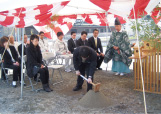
x: 63, y: 100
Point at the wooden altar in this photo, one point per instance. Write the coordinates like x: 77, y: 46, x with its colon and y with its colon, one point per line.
x: 151, y: 61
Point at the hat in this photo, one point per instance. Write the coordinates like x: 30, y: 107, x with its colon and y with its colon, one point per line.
x: 84, y: 51
x: 117, y: 22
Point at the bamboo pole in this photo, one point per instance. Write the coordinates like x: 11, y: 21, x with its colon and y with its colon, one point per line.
x: 160, y: 74
x: 144, y: 69
x: 140, y: 79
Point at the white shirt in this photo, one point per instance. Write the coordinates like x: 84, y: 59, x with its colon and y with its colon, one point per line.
x: 43, y: 45
x: 74, y: 39
x: 120, y: 30
x: 25, y: 45
x: 95, y: 38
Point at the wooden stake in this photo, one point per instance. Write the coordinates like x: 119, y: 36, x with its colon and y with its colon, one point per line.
x: 150, y: 72
x: 154, y: 71
x: 147, y: 73
x: 157, y: 70
x: 138, y: 72
x: 135, y: 74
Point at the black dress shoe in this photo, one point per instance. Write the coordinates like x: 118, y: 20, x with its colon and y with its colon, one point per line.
x: 46, y: 88
x: 88, y: 89
x: 99, y: 68
x: 49, y: 87
x: 77, y: 88
x: 3, y: 78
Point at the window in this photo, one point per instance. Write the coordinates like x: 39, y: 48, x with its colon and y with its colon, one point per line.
x: 101, y: 30
x: 87, y: 30
x: 92, y: 30
x: 74, y: 30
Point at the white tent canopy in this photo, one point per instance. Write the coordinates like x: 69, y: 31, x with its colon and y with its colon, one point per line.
x: 80, y: 7
x: 121, y: 8
x: 13, y: 4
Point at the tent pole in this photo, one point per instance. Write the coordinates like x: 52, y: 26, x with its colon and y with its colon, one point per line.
x: 18, y: 34
x: 22, y: 80
x: 106, y: 31
x: 15, y: 33
x: 106, y: 36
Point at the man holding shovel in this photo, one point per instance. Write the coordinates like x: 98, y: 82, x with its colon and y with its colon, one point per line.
x: 85, y: 61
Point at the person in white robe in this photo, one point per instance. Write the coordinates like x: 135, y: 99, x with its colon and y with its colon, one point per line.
x: 62, y: 51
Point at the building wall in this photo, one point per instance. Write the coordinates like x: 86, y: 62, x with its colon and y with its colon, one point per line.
x: 78, y: 27
x: 6, y: 31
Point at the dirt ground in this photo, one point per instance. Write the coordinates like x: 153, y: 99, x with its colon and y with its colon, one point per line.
x: 63, y: 100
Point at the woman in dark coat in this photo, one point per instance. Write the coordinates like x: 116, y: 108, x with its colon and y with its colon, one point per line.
x: 10, y: 59
x: 35, y: 64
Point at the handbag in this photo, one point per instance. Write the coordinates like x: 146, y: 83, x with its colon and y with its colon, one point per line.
x: 35, y: 70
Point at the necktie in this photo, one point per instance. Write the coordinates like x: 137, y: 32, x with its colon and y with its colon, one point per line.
x: 75, y: 42
x: 95, y: 42
x: 84, y: 42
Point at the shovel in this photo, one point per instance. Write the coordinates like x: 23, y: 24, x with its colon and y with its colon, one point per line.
x: 96, y: 86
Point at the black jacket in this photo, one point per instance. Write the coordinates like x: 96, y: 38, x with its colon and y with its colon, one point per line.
x: 34, y: 58
x: 79, y: 42
x: 71, y: 45
x: 91, y: 43
x: 20, y: 49
x: 7, y: 58
x: 92, y: 60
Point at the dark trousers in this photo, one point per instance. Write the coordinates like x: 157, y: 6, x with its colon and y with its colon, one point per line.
x: 99, y: 61
x: 44, y: 75
x: 84, y: 69
x: 16, y: 71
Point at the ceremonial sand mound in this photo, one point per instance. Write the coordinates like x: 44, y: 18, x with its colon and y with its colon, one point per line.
x: 94, y: 100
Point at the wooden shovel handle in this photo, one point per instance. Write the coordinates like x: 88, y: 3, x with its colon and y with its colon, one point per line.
x: 92, y: 83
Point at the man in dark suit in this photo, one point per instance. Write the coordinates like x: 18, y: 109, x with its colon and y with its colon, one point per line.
x: 85, y: 61
x: 82, y: 41
x: 95, y: 43
x: 25, y: 46
x: 72, y: 42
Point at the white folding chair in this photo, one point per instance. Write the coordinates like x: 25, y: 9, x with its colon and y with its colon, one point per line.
x: 7, y: 73
x: 56, y: 67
